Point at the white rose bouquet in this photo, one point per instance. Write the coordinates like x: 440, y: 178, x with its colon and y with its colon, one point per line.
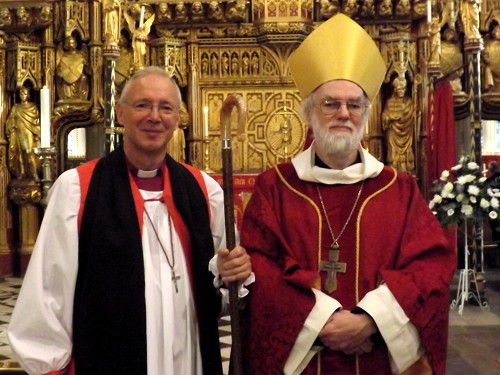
x: 462, y: 194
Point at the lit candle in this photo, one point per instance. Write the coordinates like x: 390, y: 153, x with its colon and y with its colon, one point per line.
x: 141, y: 20
x: 45, y: 117
x: 205, y: 121
x: 429, y: 11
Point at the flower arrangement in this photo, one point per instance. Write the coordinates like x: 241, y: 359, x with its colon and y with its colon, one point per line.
x: 463, y: 194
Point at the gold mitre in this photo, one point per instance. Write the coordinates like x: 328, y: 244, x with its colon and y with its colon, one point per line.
x: 338, y: 49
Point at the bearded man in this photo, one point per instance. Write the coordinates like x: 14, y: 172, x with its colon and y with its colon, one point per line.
x: 352, y: 268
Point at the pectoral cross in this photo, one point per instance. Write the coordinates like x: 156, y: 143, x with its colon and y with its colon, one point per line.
x: 174, y: 280
x: 332, y: 266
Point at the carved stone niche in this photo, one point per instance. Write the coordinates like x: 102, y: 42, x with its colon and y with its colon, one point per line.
x: 23, y: 64
x: 170, y: 53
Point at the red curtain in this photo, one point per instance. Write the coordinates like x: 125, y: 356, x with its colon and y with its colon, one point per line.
x: 441, y: 152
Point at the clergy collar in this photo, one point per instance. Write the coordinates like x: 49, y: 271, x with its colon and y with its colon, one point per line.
x: 144, y: 174
x: 147, y: 180
x: 368, y: 167
x: 320, y: 163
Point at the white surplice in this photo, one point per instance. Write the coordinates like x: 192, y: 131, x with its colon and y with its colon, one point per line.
x: 40, y: 331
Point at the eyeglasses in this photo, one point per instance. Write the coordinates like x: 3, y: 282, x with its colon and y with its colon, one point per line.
x: 330, y: 107
x: 164, y: 109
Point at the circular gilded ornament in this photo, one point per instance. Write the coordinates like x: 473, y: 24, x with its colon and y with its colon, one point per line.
x: 285, y: 133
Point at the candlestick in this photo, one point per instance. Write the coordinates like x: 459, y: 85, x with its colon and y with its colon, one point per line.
x: 206, y: 156
x: 45, y: 117
x: 46, y: 155
x: 141, y: 20
x: 429, y: 11
x: 205, y: 121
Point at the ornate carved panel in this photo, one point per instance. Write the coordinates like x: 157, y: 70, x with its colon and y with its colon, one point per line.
x: 274, y: 130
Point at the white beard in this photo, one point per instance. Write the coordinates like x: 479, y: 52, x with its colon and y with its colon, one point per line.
x: 334, y: 143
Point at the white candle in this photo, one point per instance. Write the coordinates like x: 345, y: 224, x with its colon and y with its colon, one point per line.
x: 141, y: 20
x: 45, y: 117
x: 429, y: 11
x: 205, y: 121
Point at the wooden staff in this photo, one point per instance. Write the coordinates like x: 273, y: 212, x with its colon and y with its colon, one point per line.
x: 227, y: 175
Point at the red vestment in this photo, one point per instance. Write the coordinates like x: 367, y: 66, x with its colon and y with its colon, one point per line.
x: 391, y: 237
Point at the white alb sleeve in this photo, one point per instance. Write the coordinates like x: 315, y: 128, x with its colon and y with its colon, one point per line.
x: 40, y: 330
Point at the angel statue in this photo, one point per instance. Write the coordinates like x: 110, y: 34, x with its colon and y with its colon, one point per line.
x: 72, y: 71
x: 139, y: 38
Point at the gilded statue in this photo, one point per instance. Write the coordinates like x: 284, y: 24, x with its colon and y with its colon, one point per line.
x: 385, y: 8
x: 403, y: 8
x: 139, y: 38
x: 181, y: 15
x: 176, y: 148
x: 397, y: 122
x: 225, y: 64
x: 72, y: 71
x: 470, y: 10
x: 23, y: 17
x: 235, y: 65
x: 351, y: 7
x: 111, y: 10
x: 368, y: 8
x: 235, y: 11
x: 215, y: 11
x: 491, y: 58
x: 124, y: 61
x: 245, y: 65
x: 23, y: 132
x: 45, y: 15
x: 197, y: 12
x: 327, y: 9
x: 204, y: 66
x: 452, y: 59
x: 5, y: 17
x: 163, y: 13
x: 435, y: 41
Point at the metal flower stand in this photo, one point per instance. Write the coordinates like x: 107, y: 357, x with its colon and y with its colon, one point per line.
x: 467, y: 283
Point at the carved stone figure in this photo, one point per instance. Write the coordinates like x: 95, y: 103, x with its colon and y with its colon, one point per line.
x: 214, y: 65
x: 72, y: 71
x: 176, y: 148
x: 368, y: 8
x: 197, y: 12
x: 492, y: 61
x: 403, y: 8
x: 351, y: 7
x: 397, y: 122
x: 23, y: 17
x: 245, y: 65
x: 215, y: 12
x: 385, y: 8
x: 23, y: 131
x: 225, y: 64
x: 235, y: 65
x: 470, y: 18
x: 163, y: 13
x: 255, y: 64
x: 111, y: 9
x: 435, y: 41
x: 5, y: 17
x: 181, y: 15
x: 204, y: 66
x: 327, y: 9
x: 124, y: 61
x: 45, y: 15
x: 451, y: 60
x: 236, y: 11
x: 139, y: 39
